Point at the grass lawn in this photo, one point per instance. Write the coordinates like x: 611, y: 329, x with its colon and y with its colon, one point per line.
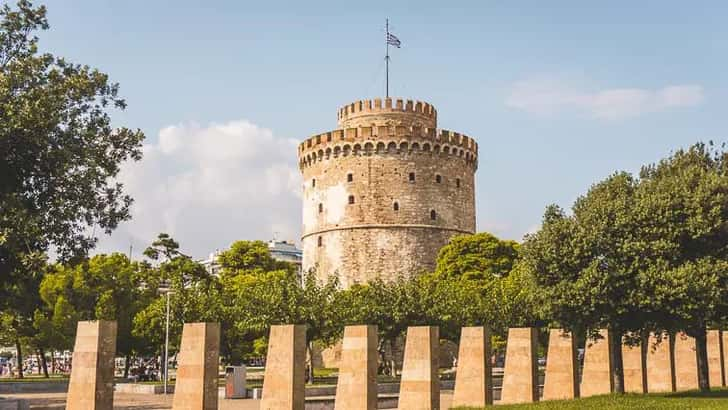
x: 716, y: 399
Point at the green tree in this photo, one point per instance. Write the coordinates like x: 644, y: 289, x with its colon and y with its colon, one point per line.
x: 22, y: 302
x: 108, y: 287
x: 59, y: 152
x: 587, y: 265
x: 391, y: 305
x: 277, y: 297
x: 195, y: 297
x: 477, y: 256
x: 250, y: 257
x: 683, y: 205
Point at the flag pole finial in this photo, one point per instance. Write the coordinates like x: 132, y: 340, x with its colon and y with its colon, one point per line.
x: 391, y: 40
x: 386, y: 60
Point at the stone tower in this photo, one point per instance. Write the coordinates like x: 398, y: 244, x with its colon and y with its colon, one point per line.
x: 385, y: 191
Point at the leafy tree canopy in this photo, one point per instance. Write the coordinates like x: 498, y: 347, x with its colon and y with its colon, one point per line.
x: 59, y: 153
x: 478, y: 256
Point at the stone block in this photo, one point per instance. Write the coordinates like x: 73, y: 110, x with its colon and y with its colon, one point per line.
x: 724, y: 340
x: 420, y: 386
x: 356, y: 388
x: 285, y: 366
x: 520, y: 376
x: 473, y: 382
x: 660, y: 365
x: 197, y: 372
x: 716, y: 360
x: 686, y: 363
x: 596, y: 376
x: 634, y: 363
x: 561, y: 379
x: 92, y: 373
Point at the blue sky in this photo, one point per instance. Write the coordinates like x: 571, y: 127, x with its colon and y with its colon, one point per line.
x: 558, y: 94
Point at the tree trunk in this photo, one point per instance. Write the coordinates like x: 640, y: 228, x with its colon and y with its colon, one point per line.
x: 393, y: 363
x: 127, y: 359
x: 19, y: 352
x: 617, y: 362
x: 701, y: 353
x: 43, y: 363
x: 309, y: 374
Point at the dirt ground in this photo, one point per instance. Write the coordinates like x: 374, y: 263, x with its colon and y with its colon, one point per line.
x: 127, y: 401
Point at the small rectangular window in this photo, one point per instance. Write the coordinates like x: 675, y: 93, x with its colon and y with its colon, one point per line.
x: 438, y: 179
x: 412, y: 177
x: 351, y: 199
x: 349, y: 177
x: 457, y: 182
x: 313, y: 183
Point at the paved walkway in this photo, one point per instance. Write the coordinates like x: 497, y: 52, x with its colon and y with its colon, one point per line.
x: 128, y: 401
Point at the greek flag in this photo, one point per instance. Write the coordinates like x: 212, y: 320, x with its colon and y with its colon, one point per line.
x: 392, y: 40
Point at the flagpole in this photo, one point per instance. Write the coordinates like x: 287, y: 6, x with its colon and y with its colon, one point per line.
x: 386, y: 58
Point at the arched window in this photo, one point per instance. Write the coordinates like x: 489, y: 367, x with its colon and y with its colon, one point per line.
x: 349, y: 177
x: 457, y: 182
x: 313, y: 183
x: 411, y: 177
x: 320, y: 241
x: 438, y: 179
x: 321, y: 208
x: 396, y: 206
x: 433, y: 215
x: 351, y: 199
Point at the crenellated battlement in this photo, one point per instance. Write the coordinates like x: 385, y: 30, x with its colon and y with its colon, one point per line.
x: 386, y: 140
x: 393, y: 111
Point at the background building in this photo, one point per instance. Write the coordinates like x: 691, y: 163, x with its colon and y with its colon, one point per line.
x: 280, y: 250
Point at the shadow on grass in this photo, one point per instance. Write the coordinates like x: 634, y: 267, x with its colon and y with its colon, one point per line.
x: 696, y: 394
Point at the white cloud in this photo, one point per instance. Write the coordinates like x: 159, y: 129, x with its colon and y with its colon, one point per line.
x: 549, y: 96
x: 208, y: 186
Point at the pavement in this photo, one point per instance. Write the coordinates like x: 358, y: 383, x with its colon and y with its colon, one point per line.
x: 129, y: 401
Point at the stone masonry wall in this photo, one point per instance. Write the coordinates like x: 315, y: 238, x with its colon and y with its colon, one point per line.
x: 363, y: 214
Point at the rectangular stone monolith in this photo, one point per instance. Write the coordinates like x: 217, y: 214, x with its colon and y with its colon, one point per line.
x: 660, y: 364
x: 285, y: 367
x: 561, y: 379
x: 724, y: 344
x: 198, y: 360
x: 420, y: 386
x: 473, y: 381
x: 716, y: 365
x: 356, y: 388
x: 520, y: 376
x: 686, y: 363
x: 596, y: 376
x: 634, y: 363
x: 92, y: 373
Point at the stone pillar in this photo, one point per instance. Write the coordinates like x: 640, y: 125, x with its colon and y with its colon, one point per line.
x: 596, y: 376
x: 561, y: 380
x: 199, y: 358
x: 285, y: 366
x: 716, y: 360
x: 420, y: 386
x: 357, y: 385
x: 686, y: 363
x: 92, y: 375
x: 520, y: 376
x: 473, y: 382
x: 660, y: 365
x: 724, y: 340
x: 634, y: 364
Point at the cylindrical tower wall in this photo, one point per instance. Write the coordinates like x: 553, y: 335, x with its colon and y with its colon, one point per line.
x: 381, y: 201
